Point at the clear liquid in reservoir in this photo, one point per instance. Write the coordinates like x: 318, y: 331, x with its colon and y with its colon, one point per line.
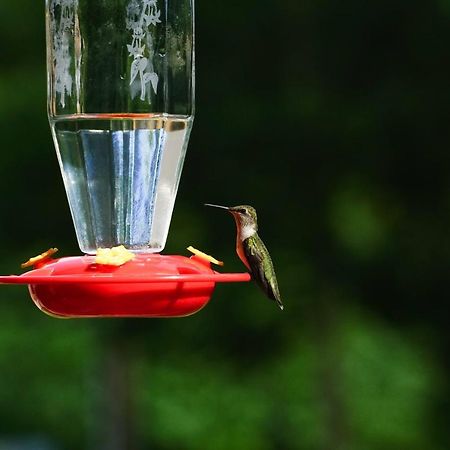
x: 121, y: 175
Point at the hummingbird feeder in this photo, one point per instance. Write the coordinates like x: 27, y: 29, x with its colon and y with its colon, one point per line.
x: 121, y: 108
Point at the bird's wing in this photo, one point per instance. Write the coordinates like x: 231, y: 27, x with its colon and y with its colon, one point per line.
x: 262, y: 267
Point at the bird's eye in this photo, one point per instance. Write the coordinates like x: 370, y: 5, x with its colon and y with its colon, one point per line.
x: 242, y: 211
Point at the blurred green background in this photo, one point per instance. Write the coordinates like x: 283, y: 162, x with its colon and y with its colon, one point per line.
x: 331, y: 118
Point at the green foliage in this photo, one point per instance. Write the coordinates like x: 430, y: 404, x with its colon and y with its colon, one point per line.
x: 388, y: 386
x: 361, y: 225
x: 44, y: 366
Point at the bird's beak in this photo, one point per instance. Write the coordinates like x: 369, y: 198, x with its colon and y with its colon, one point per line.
x: 217, y: 206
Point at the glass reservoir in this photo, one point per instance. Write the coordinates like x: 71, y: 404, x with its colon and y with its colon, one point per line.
x: 120, y: 106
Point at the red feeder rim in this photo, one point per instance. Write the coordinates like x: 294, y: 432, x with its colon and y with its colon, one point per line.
x: 151, y: 285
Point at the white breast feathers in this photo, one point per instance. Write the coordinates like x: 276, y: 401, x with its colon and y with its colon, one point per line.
x: 246, y: 232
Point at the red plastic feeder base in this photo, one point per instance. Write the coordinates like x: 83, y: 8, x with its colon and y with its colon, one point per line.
x: 151, y: 285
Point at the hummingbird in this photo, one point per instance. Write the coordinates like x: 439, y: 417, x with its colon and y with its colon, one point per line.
x: 252, y: 251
